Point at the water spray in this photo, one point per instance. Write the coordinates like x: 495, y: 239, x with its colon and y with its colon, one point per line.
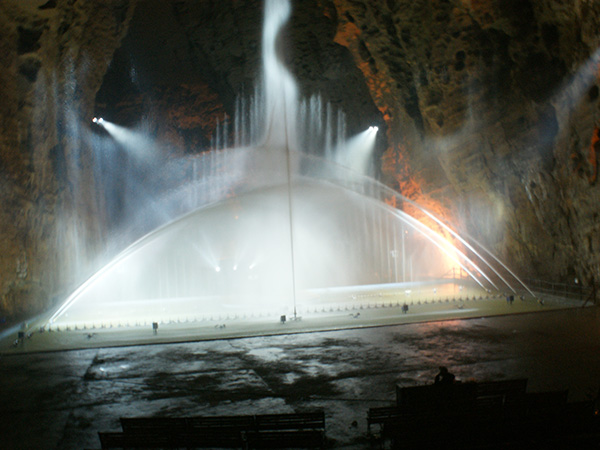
x: 185, y: 264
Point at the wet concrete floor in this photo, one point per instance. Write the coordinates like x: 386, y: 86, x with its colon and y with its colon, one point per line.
x: 60, y: 400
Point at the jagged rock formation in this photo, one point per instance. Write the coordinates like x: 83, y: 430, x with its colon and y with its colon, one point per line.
x: 51, y: 215
x: 492, y: 107
x: 488, y: 108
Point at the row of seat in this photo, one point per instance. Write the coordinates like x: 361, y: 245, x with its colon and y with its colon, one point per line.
x: 303, y: 430
x: 489, y: 415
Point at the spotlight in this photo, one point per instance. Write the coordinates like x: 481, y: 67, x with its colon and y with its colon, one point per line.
x: 375, y: 129
x: 98, y: 120
x: 95, y: 120
x: 217, y: 269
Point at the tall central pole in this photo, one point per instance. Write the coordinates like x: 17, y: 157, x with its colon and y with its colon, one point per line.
x: 290, y: 200
x: 290, y: 206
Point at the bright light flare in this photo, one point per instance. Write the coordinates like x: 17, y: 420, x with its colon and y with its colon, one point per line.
x: 356, y: 152
x: 135, y: 143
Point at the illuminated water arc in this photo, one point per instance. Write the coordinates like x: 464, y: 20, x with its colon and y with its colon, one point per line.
x: 462, y: 240
x: 365, y: 180
x: 111, y: 266
x: 72, y: 299
x: 368, y: 192
x: 470, y: 247
x: 442, y: 244
x: 439, y: 241
x: 279, y: 133
x: 505, y: 267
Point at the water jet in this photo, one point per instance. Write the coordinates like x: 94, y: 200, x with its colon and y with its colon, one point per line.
x: 273, y: 225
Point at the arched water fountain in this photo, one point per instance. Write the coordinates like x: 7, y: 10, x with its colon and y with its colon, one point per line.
x: 267, y: 227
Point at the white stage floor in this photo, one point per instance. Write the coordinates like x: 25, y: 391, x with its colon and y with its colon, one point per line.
x: 332, y: 310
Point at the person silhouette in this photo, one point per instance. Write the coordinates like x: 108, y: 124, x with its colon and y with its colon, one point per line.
x: 444, y: 377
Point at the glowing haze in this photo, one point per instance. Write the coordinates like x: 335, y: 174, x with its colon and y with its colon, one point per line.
x: 275, y: 229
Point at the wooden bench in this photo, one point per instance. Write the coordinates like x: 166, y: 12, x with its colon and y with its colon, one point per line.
x: 433, y: 397
x: 552, y: 402
x: 297, y: 430
x: 286, y: 439
x: 293, y: 421
x: 153, y: 424
x: 382, y: 415
x: 484, y: 406
x: 424, y: 429
x: 538, y: 407
x: 204, y: 431
x: 300, y: 430
x: 452, y: 416
x: 120, y: 440
x: 180, y: 424
x: 503, y: 388
x: 471, y: 416
x: 463, y: 396
x: 205, y: 439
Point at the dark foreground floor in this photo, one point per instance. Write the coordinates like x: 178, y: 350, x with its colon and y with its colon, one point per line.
x: 60, y: 400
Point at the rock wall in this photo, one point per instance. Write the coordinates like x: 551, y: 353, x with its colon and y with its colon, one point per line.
x: 51, y: 220
x: 492, y: 109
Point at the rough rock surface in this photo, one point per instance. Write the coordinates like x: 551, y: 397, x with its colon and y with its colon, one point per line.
x: 492, y: 109
x: 489, y: 113
x: 51, y: 215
